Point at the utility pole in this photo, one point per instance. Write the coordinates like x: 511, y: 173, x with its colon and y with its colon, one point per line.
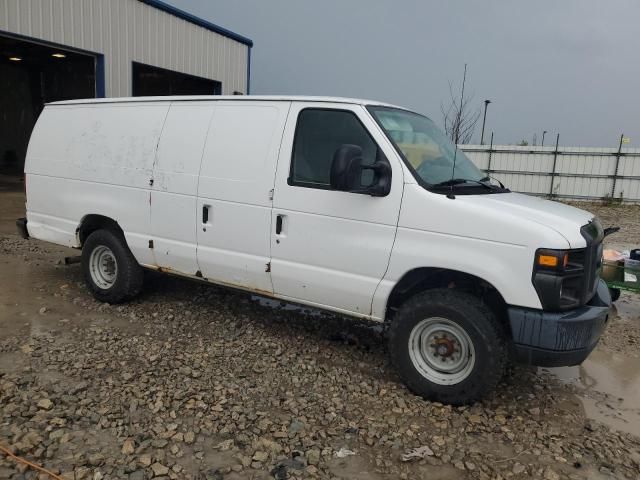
x: 543, y: 134
x: 484, y: 119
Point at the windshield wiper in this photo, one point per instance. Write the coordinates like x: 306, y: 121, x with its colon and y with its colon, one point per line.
x: 460, y: 181
x: 488, y: 179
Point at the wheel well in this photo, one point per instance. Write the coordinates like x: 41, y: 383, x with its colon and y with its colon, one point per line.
x: 91, y: 223
x: 421, y: 279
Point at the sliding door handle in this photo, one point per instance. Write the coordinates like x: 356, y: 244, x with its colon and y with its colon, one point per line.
x: 278, y: 224
x: 205, y: 213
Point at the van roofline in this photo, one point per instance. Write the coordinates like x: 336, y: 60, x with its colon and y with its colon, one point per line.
x: 186, y: 98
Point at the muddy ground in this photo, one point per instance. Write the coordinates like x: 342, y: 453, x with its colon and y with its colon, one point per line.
x: 195, y: 381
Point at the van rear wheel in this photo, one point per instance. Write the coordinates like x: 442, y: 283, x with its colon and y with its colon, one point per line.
x: 110, y: 270
x: 448, y: 346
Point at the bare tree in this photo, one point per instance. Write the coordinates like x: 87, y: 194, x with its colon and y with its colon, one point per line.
x: 459, y: 118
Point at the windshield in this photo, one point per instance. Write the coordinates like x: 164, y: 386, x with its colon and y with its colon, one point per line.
x: 425, y: 147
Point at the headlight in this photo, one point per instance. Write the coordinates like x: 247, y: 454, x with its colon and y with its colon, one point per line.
x: 558, y: 277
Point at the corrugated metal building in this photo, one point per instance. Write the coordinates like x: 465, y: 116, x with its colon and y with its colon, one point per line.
x: 64, y: 49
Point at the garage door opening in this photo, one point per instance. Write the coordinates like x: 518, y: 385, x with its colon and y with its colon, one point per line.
x: 32, y: 74
x: 155, y: 81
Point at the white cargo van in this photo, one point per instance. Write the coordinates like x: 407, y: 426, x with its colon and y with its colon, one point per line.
x: 354, y: 206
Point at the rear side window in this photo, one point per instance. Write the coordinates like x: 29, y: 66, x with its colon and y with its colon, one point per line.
x: 319, y: 133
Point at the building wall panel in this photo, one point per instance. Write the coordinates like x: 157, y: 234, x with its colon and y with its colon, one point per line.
x: 125, y: 31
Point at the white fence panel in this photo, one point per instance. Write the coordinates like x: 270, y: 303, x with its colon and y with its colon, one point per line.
x: 570, y: 172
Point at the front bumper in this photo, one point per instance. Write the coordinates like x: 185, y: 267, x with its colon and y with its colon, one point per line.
x: 557, y: 339
x: 21, y: 223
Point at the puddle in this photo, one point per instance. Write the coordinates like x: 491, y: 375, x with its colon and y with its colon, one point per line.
x: 627, y: 309
x: 608, y: 385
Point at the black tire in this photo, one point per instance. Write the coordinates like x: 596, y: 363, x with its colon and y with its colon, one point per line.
x: 129, y: 275
x: 475, y: 319
x: 615, y: 294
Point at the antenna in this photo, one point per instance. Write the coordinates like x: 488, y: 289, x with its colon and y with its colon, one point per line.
x: 458, y: 122
x: 453, y: 172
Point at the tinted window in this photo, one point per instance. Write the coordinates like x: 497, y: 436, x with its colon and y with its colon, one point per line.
x: 319, y: 134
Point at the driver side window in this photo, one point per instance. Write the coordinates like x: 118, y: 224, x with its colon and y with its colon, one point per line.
x: 319, y: 133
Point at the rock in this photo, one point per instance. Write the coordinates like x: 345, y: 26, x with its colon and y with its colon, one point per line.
x: 43, y: 310
x: 459, y: 465
x: 260, y: 456
x: 295, y: 426
x: 549, y: 474
x: 439, y: 441
x: 189, y: 437
x: 313, y: 456
x: 518, y: 468
x: 145, y: 459
x: 159, y: 469
x: 417, y: 453
x: 224, y: 445
x: 345, y: 452
x: 213, y: 474
x: 96, y: 459
x: 280, y: 472
x: 475, y: 419
x: 137, y: 475
x: 129, y: 446
x: 82, y: 473
x: 45, y: 404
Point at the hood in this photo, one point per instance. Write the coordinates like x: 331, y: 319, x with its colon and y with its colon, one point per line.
x: 564, y: 219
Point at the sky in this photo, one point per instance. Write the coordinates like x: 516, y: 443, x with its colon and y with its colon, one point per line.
x: 570, y: 67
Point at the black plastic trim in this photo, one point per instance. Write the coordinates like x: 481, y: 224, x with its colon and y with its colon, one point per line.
x: 21, y: 223
x: 559, y: 338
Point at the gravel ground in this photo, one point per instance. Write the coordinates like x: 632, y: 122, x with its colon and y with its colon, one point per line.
x: 195, y: 381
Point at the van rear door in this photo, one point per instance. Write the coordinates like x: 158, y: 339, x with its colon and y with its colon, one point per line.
x: 331, y: 248
x: 234, y: 192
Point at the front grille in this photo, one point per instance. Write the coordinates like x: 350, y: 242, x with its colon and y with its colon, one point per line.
x: 593, y: 235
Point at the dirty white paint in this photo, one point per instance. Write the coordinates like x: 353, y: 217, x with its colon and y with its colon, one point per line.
x: 156, y: 165
x: 127, y: 31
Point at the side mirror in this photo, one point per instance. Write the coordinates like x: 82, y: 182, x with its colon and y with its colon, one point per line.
x: 346, y: 173
x: 346, y: 168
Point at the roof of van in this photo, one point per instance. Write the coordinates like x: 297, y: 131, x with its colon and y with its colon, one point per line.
x: 225, y: 97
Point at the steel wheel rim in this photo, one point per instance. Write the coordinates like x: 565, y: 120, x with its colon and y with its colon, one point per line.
x: 441, y: 351
x: 103, y: 267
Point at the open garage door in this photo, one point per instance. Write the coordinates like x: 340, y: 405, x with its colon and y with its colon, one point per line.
x: 32, y: 74
x: 155, y: 81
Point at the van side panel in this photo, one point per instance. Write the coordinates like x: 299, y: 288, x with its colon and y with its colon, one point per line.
x: 175, y: 186
x: 236, y: 178
x: 93, y: 159
x: 437, y: 232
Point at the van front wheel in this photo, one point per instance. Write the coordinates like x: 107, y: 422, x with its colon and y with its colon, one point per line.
x: 110, y: 270
x: 448, y: 346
